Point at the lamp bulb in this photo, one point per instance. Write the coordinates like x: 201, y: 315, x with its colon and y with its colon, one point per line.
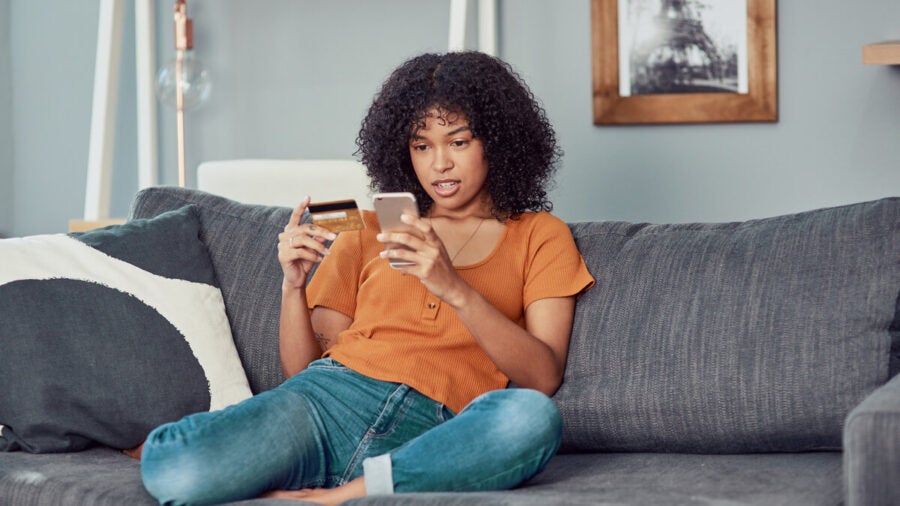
x: 195, y: 82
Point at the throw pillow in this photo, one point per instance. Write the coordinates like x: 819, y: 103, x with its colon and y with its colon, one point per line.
x: 109, y: 333
x: 242, y: 240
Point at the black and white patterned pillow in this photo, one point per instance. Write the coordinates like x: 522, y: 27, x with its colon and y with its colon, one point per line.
x: 109, y: 333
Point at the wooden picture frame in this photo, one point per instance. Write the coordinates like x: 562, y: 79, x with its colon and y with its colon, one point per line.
x: 758, y: 103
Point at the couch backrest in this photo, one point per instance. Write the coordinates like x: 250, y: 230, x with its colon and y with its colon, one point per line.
x: 732, y: 337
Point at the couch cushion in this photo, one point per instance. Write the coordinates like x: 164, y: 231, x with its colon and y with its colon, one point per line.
x: 95, y: 477
x: 811, y: 479
x: 804, y: 479
x: 109, y: 333
x: 242, y: 243
x: 101, y: 477
x: 732, y: 337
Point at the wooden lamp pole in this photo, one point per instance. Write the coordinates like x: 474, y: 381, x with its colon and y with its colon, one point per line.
x: 184, y: 40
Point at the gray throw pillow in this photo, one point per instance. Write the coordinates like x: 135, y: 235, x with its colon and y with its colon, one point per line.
x: 241, y: 239
x: 732, y: 337
x: 109, y: 333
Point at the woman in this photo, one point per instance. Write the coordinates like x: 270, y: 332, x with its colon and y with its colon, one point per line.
x: 410, y: 395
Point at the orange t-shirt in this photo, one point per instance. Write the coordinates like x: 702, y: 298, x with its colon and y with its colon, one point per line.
x: 402, y: 333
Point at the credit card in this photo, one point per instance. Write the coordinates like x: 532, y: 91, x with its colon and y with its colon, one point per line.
x: 337, y: 216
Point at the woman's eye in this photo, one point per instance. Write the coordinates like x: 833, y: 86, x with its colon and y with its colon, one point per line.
x: 420, y: 147
x: 459, y: 143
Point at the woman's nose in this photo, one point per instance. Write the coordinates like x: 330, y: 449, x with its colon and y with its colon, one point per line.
x: 442, y: 161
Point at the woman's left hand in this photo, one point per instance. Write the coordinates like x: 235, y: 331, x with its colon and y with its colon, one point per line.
x: 432, y: 266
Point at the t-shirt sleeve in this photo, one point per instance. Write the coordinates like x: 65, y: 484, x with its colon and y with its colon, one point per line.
x: 334, y: 284
x: 556, y: 267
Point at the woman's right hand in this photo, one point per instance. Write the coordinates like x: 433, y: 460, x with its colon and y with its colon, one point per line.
x: 300, y: 247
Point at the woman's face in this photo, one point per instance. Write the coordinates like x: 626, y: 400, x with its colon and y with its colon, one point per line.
x: 450, y: 165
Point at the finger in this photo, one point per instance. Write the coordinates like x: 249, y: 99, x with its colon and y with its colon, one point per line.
x: 297, y: 215
x: 395, y: 238
x: 289, y: 248
x: 321, y: 232
x: 430, y: 246
x: 293, y: 235
x: 306, y: 241
x: 287, y: 254
x: 401, y: 254
x: 419, y: 224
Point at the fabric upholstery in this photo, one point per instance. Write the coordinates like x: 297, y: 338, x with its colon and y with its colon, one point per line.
x: 101, y: 477
x: 802, y: 479
x: 110, y: 333
x: 638, y: 371
x: 733, y: 337
x: 95, y: 477
x: 242, y: 243
x: 872, y: 448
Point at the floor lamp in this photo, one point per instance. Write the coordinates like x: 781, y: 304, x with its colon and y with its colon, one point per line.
x: 183, y: 82
x: 106, y: 79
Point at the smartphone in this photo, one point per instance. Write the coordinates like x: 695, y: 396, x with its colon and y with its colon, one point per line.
x: 389, y: 207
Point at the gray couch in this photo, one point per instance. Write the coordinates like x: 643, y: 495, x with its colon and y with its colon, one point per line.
x: 727, y: 364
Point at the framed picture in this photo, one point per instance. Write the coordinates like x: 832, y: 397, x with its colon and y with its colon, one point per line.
x: 684, y: 61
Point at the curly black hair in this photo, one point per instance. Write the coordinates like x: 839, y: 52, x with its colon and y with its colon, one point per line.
x: 519, y: 142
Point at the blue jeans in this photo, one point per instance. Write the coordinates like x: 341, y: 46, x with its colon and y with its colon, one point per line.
x: 329, y: 424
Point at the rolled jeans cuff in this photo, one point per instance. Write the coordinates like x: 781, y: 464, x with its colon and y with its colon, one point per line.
x: 379, y: 475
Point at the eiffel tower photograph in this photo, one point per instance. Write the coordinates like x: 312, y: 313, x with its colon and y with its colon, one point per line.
x: 682, y: 46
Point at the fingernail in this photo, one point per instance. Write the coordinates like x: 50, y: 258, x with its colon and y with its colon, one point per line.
x: 405, y: 218
x: 383, y: 254
x: 379, y: 237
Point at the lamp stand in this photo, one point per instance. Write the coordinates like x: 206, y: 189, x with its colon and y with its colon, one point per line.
x: 184, y: 40
x: 179, y: 114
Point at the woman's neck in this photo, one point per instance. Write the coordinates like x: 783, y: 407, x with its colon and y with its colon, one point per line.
x: 481, y: 210
x: 468, y: 237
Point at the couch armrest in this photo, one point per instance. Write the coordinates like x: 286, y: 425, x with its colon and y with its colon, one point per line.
x: 872, y: 448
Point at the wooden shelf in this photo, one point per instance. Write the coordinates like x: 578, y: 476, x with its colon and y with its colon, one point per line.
x: 85, y: 225
x: 882, y: 53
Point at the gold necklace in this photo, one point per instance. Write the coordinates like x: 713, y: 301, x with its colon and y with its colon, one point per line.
x: 466, y: 243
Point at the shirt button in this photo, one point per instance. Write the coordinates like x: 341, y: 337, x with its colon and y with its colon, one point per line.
x: 432, y: 305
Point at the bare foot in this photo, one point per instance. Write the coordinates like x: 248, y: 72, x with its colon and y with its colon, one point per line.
x: 135, y: 453
x: 328, y: 496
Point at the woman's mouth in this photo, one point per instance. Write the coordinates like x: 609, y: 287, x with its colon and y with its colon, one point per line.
x: 445, y: 188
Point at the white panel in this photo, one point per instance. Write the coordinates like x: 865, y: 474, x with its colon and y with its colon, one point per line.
x: 145, y: 53
x: 285, y: 182
x: 458, y: 15
x: 487, y: 26
x: 103, y: 114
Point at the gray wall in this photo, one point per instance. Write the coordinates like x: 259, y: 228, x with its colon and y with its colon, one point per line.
x: 837, y: 140
x: 6, y: 143
x: 53, y: 44
x: 293, y: 78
